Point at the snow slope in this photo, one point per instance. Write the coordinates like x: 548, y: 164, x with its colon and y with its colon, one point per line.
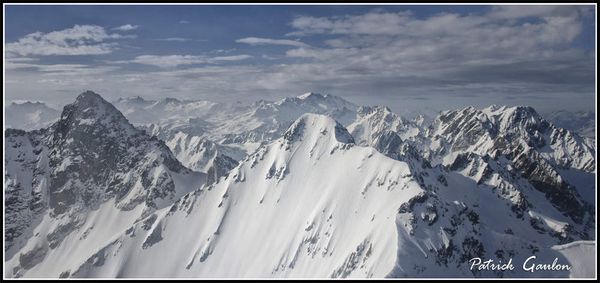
x: 294, y: 194
x: 282, y: 212
x: 214, y: 137
x: 581, y: 256
x: 314, y: 204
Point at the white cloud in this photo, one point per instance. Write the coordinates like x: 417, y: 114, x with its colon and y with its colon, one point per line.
x: 169, y: 61
x: 264, y: 41
x: 377, y: 55
x: 224, y: 50
x: 230, y: 58
x: 388, y: 40
x: 126, y: 27
x: 481, y: 54
x: 184, y: 22
x: 78, y: 40
x: 369, y: 23
x: 498, y: 23
x: 179, y: 39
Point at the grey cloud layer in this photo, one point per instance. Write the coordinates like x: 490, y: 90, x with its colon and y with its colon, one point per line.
x: 505, y: 53
x: 167, y: 61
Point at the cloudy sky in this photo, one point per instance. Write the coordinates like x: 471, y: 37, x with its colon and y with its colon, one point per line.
x: 407, y: 57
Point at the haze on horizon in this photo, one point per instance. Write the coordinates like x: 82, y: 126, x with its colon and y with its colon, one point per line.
x: 410, y: 58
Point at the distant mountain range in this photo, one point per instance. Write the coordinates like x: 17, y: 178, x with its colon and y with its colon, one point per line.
x: 35, y: 115
x: 307, y: 186
x: 29, y: 115
x: 581, y: 122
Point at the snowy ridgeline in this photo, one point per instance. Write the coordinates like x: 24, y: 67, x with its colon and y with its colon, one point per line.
x: 308, y: 186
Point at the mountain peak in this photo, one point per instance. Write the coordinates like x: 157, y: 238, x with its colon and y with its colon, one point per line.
x: 469, y: 108
x: 89, y: 95
x: 311, y: 95
x: 503, y: 109
x: 313, y: 126
x: 135, y: 99
x: 91, y: 100
x: 90, y: 109
x: 167, y: 101
x: 316, y: 100
x: 28, y: 103
x: 367, y: 110
x: 525, y: 110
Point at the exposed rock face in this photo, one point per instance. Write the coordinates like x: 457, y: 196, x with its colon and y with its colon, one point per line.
x: 537, y: 149
x: 90, y: 156
x: 93, y: 146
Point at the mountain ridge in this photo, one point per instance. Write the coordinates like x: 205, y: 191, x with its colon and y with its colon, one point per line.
x: 376, y: 196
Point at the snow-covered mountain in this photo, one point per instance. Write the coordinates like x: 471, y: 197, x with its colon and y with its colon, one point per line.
x: 264, y: 121
x: 212, y: 138
x: 201, y: 154
x: 475, y: 151
x: 581, y: 122
x: 505, y: 129
x: 347, y: 192
x: 303, y: 207
x: 141, y: 111
x: 74, y: 185
x: 30, y: 115
x: 372, y: 121
x: 554, y: 160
